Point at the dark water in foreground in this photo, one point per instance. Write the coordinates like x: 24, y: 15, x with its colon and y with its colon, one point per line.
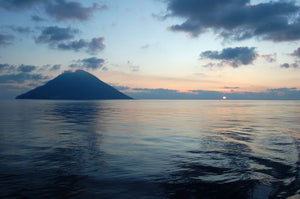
x: 149, y: 149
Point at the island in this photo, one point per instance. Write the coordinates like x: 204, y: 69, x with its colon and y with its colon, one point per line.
x: 78, y: 85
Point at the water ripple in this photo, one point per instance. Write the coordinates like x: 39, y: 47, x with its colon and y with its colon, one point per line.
x: 149, y: 149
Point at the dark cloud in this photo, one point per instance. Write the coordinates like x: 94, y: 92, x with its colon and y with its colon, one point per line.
x: 93, y: 46
x: 270, y: 94
x: 26, y: 68
x: 20, y: 75
x: 48, y: 67
x: 6, y: 39
x: 232, y: 56
x: 21, y: 78
x: 93, y: 63
x: 73, y: 45
x: 4, y: 67
x: 7, y: 68
x: 37, y: 18
x: 62, y: 10
x: 237, y: 19
x: 18, y: 4
x: 296, y: 52
x: 55, y: 67
x: 60, y: 38
x: 12, y: 69
x: 89, y: 63
x: 96, y: 44
x: 295, y: 64
x: 287, y: 65
x: 285, y: 93
x: 55, y: 34
x: 20, y: 29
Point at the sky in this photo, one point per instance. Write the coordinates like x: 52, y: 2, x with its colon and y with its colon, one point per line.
x: 168, y: 49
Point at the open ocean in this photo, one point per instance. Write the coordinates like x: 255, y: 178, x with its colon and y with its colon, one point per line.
x: 149, y: 149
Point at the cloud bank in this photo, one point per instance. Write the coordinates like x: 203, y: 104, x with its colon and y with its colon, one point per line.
x: 270, y: 94
x: 19, y: 74
x: 237, y: 19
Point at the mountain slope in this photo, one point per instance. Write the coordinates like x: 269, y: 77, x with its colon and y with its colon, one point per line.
x: 78, y: 85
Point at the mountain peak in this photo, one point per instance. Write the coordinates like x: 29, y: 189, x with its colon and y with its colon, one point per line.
x: 78, y: 85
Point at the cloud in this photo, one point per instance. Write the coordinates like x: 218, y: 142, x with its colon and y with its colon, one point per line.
x: 2, y: 66
x: 60, y: 38
x: 296, y: 52
x: 237, y: 19
x: 93, y: 46
x: 20, y: 75
x: 271, y: 58
x: 18, y: 4
x: 7, y: 68
x: 26, y: 68
x: 232, y: 56
x: 62, y: 10
x: 89, y: 63
x: 37, y: 18
x: 54, y: 34
x: 21, y: 78
x: 121, y: 88
x: 133, y: 68
x: 146, y: 46
x: 96, y: 44
x: 6, y: 39
x: 55, y: 67
x: 284, y: 93
x: 20, y: 29
x: 23, y: 68
x: 287, y: 65
x: 296, y: 55
x: 159, y: 93
x: 73, y: 45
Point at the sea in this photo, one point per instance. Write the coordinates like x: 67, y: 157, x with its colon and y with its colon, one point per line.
x: 149, y: 149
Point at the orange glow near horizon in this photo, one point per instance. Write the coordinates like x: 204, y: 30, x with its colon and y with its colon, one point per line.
x: 134, y: 80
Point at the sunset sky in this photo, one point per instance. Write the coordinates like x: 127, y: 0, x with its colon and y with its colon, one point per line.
x: 154, y: 46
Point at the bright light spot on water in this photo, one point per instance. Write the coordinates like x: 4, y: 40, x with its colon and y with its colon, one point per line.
x: 224, y: 97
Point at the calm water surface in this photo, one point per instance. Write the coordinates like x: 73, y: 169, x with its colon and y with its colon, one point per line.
x: 149, y: 149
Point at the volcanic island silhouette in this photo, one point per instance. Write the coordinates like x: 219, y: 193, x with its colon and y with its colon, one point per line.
x: 78, y: 85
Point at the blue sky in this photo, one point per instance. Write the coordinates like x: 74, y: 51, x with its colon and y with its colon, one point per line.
x: 233, y: 47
